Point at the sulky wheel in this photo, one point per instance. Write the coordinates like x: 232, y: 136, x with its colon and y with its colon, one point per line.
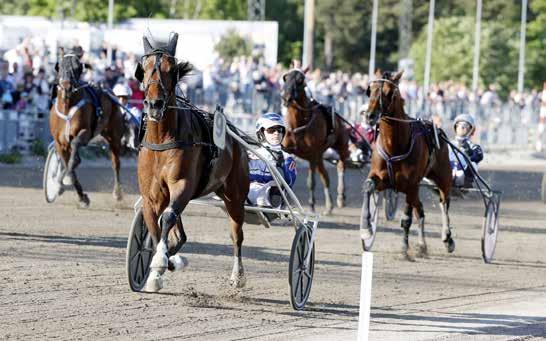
x: 391, y: 204
x: 490, y: 228
x: 374, y: 216
x: 139, y: 253
x: 52, y: 171
x: 300, y: 274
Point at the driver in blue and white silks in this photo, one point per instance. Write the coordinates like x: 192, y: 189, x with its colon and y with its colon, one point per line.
x: 270, y: 130
x: 464, y: 127
x: 132, y: 117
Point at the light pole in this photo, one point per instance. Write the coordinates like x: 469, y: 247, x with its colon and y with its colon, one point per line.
x: 110, y: 26
x: 428, y: 58
x: 371, y: 68
x: 308, y: 28
x: 521, y: 68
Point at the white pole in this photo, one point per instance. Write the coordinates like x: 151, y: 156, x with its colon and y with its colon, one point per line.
x: 110, y: 26
x: 521, y: 68
x: 371, y: 69
x: 428, y: 58
x: 365, y: 296
x: 476, y: 68
x: 308, y: 28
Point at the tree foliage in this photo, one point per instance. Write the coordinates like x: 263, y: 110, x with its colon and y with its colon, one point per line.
x: 232, y: 44
x: 453, y: 46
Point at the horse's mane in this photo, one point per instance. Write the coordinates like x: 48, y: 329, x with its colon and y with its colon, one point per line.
x: 184, y: 69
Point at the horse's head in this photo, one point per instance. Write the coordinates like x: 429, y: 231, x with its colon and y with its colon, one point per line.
x: 159, y: 72
x: 383, y: 94
x: 294, y: 85
x: 69, y: 70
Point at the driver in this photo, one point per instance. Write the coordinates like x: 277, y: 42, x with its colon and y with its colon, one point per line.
x: 132, y: 117
x: 270, y: 130
x: 464, y: 127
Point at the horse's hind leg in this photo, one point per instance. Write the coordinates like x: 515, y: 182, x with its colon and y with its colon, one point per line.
x: 326, y: 182
x: 236, y: 213
x: 420, y: 215
x: 80, y: 140
x: 446, y: 229
x: 311, y: 184
x: 177, y: 239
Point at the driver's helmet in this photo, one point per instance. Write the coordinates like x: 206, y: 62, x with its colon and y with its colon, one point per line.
x: 465, y: 118
x: 268, y: 120
x: 121, y: 90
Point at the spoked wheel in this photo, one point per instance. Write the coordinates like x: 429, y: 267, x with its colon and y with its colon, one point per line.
x: 374, y: 217
x: 52, y: 171
x: 391, y: 204
x: 490, y: 228
x: 300, y: 273
x: 139, y: 253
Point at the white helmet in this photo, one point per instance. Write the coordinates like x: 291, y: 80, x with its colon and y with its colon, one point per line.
x: 268, y: 120
x: 465, y: 118
x: 122, y: 90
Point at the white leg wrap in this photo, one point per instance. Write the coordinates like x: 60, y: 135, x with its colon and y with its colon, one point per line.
x: 154, y: 283
x: 160, y: 260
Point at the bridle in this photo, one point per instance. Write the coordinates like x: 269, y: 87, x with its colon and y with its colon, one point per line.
x: 166, y: 96
x: 73, y: 79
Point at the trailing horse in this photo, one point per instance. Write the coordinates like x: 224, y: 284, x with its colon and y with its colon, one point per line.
x: 406, y: 151
x: 179, y: 162
x: 311, y: 129
x: 80, y: 112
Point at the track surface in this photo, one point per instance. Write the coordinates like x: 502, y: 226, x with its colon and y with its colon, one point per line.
x: 62, y: 273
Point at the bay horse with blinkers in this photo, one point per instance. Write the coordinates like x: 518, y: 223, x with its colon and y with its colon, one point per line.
x: 406, y: 151
x: 311, y: 129
x: 176, y: 163
x: 79, y: 113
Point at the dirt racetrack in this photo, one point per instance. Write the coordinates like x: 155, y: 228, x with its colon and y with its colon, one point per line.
x: 62, y: 272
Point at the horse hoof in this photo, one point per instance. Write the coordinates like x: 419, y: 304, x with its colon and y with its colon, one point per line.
x: 237, y: 281
x: 68, y: 180
x: 406, y: 257
x: 422, y: 251
x: 178, y: 262
x: 118, y: 196
x: 366, y: 233
x: 340, y: 203
x: 60, y: 191
x: 450, y: 245
x: 84, y: 201
x: 154, y: 282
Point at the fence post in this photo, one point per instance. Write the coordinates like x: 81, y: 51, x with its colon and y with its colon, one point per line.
x: 365, y: 296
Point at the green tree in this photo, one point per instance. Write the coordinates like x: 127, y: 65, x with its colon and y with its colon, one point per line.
x: 452, y: 53
x: 232, y: 44
x: 535, y: 66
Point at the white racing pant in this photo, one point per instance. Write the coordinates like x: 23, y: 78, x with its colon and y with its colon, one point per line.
x: 258, y: 194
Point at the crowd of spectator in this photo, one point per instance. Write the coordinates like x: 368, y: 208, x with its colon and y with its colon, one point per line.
x: 243, y: 85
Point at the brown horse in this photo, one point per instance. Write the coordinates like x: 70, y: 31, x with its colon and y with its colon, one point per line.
x: 406, y: 151
x: 79, y: 113
x: 311, y: 129
x: 175, y: 164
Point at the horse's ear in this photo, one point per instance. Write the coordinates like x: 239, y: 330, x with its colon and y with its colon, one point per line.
x: 57, y: 67
x: 87, y: 66
x: 139, y: 72
x: 305, y: 70
x: 147, y: 46
x: 368, y: 91
x: 398, y: 76
x: 284, y: 76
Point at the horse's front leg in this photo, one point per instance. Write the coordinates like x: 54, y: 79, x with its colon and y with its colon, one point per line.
x: 326, y: 182
x: 80, y: 140
x: 114, y: 156
x: 372, y: 184
x: 162, y: 260
x: 340, y: 183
